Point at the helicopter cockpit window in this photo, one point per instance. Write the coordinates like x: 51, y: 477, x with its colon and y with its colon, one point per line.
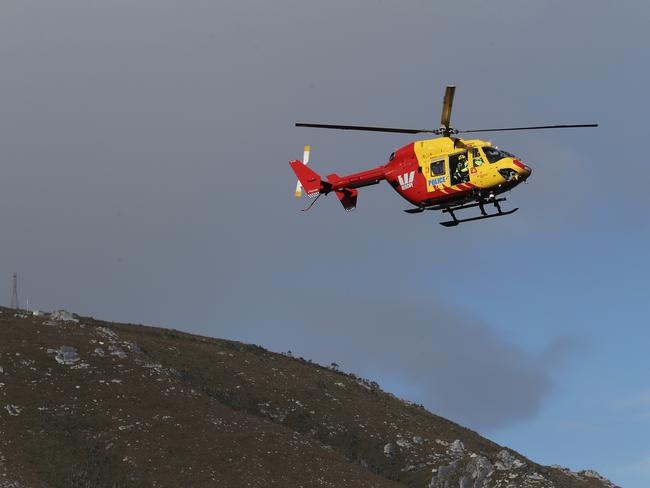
x: 477, y: 159
x: 493, y: 154
x: 392, y: 156
x: 438, y: 167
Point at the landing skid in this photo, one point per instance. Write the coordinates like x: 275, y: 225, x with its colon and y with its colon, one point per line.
x: 481, y: 205
x: 455, y: 222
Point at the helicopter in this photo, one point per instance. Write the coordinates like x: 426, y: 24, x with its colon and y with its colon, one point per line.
x: 446, y: 173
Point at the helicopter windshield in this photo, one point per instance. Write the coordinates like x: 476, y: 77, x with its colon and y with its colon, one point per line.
x: 493, y: 154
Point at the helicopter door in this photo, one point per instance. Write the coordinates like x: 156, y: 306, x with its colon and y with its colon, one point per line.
x: 481, y: 172
x: 436, y: 174
x: 478, y: 167
x: 458, y: 168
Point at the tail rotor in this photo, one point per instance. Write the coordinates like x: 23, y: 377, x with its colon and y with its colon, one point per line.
x: 305, y: 161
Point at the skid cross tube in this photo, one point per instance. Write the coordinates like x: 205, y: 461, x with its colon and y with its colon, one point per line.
x: 470, y: 205
x: 456, y: 221
x: 481, y: 204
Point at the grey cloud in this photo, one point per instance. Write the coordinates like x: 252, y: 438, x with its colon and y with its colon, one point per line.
x: 145, y: 175
x: 455, y: 365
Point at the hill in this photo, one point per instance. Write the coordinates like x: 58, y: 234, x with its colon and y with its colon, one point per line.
x: 87, y: 403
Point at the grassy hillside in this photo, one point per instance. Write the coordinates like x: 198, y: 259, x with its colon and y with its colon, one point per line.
x: 96, y: 404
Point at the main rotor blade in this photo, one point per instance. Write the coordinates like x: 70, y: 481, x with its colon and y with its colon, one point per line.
x: 447, y: 104
x: 530, y: 128
x: 366, y: 128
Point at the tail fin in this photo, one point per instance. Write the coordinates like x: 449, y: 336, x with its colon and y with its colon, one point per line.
x: 310, y: 180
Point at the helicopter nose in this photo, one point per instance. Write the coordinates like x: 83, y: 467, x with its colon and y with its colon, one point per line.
x: 524, y: 170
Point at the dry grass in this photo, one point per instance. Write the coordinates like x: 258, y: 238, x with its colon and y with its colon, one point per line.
x: 165, y: 408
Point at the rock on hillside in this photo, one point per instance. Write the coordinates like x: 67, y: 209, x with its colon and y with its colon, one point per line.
x: 90, y: 403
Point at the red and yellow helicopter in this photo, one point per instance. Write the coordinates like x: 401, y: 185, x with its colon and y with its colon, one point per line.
x: 446, y: 173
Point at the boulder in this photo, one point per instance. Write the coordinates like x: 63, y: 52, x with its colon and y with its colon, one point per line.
x: 477, y: 472
x: 457, y: 447
x: 13, y: 410
x: 390, y: 450
x: 62, y: 316
x: 444, y: 475
x: 403, y: 443
x: 474, y: 474
x: 67, y: 355
x: 506, y: 461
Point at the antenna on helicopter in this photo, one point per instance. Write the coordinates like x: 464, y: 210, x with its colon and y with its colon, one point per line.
x: 313, y: 202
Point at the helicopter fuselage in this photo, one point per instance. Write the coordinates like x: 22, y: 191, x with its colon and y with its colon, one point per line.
x: 441, y: 171
x: 450, y: 170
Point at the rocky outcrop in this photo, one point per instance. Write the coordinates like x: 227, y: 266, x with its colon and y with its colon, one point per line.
x: 466, y: 469
x: 586, y: 475
x: 66, y: 355
x: 444, y: 476
x: 506, y: 461
x: 477, y: 472
x: 63, y: 316
x: 92, y: 401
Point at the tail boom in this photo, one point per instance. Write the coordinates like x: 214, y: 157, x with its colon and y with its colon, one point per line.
x: 345, y: 187
x: 357, y: 180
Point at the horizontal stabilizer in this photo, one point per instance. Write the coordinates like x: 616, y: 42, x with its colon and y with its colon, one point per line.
x: 348, y: 198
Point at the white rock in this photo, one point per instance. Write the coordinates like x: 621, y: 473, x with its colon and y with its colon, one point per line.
x: 62, y: 316
x: 401, y: 442
x: 590, y: 473
x: 390, y: 450
x: 67, y: 355
x: 13, y: 410
x: 457, y: 446
x: 535, y: 476
x: 506, y: 461
x: 116, y: 351
x: 108, y: 333
x: 133, y: 347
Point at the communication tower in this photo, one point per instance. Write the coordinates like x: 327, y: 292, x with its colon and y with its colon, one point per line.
x: 14, y: 292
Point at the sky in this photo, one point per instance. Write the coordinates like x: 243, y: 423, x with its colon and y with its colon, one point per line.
x: 145, y: 179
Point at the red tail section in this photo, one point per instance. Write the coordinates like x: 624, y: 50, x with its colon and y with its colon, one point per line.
x: 348, y: 198
x: 310, y: 180
x: 345, y: 187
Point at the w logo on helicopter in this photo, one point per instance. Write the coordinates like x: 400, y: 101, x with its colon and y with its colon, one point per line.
x: 406, y: 180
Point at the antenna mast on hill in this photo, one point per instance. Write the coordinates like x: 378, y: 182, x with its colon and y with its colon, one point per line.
x: 14, y: 292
